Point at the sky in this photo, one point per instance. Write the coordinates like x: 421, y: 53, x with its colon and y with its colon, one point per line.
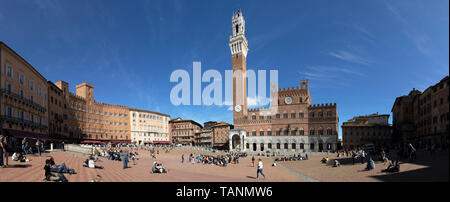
x: 360, y: 55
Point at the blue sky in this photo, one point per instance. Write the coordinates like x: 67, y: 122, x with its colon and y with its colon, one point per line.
x: 359, y: 54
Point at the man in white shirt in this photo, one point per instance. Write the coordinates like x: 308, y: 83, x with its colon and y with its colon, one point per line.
x: 260, y: 169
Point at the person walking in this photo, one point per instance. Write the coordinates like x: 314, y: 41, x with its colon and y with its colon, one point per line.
x: 253, y: 161
x: 363, y: 156
x: 38, y: 146
x: 124, y: 157
x: 24, y: 145
x: 2, y: 150
x: 260, y: 170
x: 412, y: 154
x: 182, y: 158
x: 6, y: 149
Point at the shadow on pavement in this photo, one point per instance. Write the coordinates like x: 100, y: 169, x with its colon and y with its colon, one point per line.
x: 19, y: 166
x: 419, y: 175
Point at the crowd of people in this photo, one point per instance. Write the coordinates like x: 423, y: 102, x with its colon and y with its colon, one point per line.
x: 11, y: 146
x: 219, y: 160
x: 292, y: 158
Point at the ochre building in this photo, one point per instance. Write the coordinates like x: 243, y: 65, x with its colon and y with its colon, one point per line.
x: 370, y: 129
x: 23, y: 97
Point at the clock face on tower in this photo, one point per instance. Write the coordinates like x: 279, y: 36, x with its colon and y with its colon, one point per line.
x: 237, y: 108
x: 288, y: 100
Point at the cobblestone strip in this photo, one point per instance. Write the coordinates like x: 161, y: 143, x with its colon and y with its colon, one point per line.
x: 308, y: 179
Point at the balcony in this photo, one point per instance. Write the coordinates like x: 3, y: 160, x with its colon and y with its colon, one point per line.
x: 23, y: 122
x: 27, y: 101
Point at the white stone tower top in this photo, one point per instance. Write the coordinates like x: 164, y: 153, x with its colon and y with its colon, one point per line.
x: 238, y: 42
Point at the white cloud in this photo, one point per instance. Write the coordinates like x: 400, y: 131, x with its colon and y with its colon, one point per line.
x: 257, y: 101
x: 419, y: 39
x: 334, y: 69
x: 349, y: 57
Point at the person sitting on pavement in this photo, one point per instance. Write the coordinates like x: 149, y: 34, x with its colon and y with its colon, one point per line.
x: 158, y: 168
x: 97, y: 178
x: 59, y: 169
x: 370, y: 164
x: 324, y: 160
x: 18, y: 156
x: 394, y: 166
x: 336, y: 163
x: 51, y: 177
x: 89, y: 162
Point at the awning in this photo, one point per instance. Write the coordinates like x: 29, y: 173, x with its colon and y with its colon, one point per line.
x: 161, y: 142
x: 91, y: 142
x: 120, y: 141
x: 26, y: 134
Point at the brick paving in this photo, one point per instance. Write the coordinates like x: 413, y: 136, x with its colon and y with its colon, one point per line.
x: 177, y: 172
x: 425, y: 169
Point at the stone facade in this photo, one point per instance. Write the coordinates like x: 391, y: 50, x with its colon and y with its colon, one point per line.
x: 183, y: 131
x: 291, y: 122
x: 149, y: 127
x: 423, y: 117
x: 371, y: 129
x: 58, y: 113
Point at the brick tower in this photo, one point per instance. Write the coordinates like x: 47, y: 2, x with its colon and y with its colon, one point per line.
x: 239, y: 47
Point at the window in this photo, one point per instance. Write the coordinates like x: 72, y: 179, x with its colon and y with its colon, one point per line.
x: 9, y: 111
x: 31, y: 84
x: 301, y: 115
x: 328, y: 114
x: 9, y: 88
x: 302, y: 132
x: 285, y: 145
x: 269, y: 145
x: 278, y: 146
x: 261, y: 133
x: 9, y: 71
x: 311, y: 132
x: 285, y: 116
x: 286, y: 132
x: 261, y: 117
x: 293, y: 132
x: 21, y: 93
x: 253, y: 133
x: 320, y: 114
x: 278, y: 116
x: 300, y: 100
x: 269, y: 133
x: 21, y: 78
x: 278, y: 133
x: 293, y: 146
x: 311, y: 146
x: 329, y: 131
x: 311, y: 115
x: 293, y: 116
x: 254, y: 117
x: 269, y: 117
x: 321, y: 131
